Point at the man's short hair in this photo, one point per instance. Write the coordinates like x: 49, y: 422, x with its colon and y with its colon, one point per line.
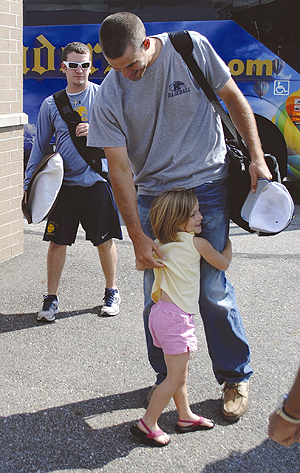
x: 120, y: 30
x: 75, y: 47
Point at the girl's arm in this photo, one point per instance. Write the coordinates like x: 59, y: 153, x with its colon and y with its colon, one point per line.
x: 219, y: 260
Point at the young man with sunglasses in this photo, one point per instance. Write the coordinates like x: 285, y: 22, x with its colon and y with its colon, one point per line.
x: 85, y: 197
x: 153, y: 121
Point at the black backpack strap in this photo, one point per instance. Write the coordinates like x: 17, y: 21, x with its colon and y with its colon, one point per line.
x: 65, y: 108
x: 93, y: 156
x: 183, y: 44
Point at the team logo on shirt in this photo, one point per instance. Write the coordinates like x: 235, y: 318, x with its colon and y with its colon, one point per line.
x: 178, y: 88
x: 82, y: 112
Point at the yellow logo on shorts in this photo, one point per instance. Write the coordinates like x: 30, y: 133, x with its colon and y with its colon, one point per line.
x: 50, y: 228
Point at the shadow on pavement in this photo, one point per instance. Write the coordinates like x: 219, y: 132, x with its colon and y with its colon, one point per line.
x: 86, y: 435
x: 268, y: 457
x: 13, y: 322
x: 81, y: 435
x: 60, y: 438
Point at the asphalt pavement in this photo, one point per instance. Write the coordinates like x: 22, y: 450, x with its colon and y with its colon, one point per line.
x: 70, y: 390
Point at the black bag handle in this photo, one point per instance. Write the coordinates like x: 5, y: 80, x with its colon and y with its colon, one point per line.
x: 91, y: 155
x: 183, y: 44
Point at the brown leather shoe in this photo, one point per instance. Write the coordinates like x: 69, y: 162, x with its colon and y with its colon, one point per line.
x: 235, y: 400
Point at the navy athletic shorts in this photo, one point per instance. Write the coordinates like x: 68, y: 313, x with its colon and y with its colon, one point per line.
x: 94, y: 207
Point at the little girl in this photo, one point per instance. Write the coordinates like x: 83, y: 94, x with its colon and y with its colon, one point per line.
x: 175, y: 219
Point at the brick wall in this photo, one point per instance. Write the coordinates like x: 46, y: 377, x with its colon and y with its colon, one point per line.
x: 12, y: 120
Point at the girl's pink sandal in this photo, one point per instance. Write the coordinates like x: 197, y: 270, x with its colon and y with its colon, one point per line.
x: 198, y: 425
x: 148, y: 438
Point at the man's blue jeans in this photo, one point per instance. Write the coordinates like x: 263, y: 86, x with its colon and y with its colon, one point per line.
x: 224, y: 330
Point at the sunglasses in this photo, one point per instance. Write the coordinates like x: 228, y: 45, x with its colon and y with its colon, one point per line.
x: 75, y: 65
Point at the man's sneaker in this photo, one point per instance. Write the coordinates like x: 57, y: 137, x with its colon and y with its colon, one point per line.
x: 235, y: 400
x: 49, y: 309
x: 111, y: 304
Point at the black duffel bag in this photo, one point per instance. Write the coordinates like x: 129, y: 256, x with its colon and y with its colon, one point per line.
x: 240, y: 180
x: 273, y: 143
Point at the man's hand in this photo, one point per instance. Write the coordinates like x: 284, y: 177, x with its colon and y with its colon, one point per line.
x: 283, y: 432
x: 143, y: 248
x: 258, y: 169
x: 82, y: 129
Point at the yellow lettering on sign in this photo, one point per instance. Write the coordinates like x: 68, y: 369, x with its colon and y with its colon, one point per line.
x: 37, y: 56
x: 256, y: 67
x: 96, y: 49
x: 236, y: 67
x: 25, y: 68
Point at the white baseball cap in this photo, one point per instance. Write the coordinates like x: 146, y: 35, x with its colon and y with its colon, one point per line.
x: 44, y: 187
x: 270, y: 209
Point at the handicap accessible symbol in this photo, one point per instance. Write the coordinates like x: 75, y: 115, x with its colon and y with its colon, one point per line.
x: 281, y: 87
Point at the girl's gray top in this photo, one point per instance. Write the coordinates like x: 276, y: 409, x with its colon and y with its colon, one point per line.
x: 172, y: 134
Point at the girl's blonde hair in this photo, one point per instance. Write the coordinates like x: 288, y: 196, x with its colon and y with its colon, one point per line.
x: 169, y: 211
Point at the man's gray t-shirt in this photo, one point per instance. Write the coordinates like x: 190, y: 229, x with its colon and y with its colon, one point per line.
x: 172, y: 134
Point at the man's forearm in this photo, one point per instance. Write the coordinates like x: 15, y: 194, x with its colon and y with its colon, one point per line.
x: 124, y: 189
x: 125, y: 196
x: 242, y: 116
x: 244, y: 121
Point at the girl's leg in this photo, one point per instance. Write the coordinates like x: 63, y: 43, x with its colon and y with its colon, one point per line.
x: 176, y: 377
x: 174, y: 385
x: 182, y: 403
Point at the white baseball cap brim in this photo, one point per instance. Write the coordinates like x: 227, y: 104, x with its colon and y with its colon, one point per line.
x: 270, y: 209
x: 45, y: 187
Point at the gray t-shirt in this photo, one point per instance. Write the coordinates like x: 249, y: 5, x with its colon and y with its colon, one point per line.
x: 172, y: 134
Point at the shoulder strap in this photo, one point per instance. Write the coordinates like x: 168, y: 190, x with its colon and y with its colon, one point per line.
x: 65, y: 108
x: 183, y: 44
x: 91, y: 155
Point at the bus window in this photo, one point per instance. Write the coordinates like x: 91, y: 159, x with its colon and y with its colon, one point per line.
x: 274, y: 23
x: 67, y: 12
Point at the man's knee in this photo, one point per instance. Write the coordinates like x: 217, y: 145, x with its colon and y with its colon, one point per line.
x: 106, y: 246
x: 55, y: 247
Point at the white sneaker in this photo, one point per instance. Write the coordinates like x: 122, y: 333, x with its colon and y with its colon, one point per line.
x: 112, y: 301
x: 49, y: 310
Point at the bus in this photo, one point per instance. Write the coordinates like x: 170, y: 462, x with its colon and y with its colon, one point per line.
x: 258, y: 40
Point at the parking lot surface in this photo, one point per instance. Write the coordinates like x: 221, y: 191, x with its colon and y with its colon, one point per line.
x: 70, y: 390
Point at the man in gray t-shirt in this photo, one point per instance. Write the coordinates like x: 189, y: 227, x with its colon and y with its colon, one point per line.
x: 159, y: 131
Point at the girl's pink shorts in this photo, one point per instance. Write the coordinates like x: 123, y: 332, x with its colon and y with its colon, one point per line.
x: 172, y: 329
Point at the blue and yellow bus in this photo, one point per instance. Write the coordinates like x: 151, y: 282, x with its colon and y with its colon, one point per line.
x: 258, y: 39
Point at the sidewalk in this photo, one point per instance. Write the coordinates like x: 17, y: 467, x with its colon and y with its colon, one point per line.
x: 71, y: 390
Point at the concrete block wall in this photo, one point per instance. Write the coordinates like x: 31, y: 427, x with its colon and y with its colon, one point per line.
x: 12, y: 120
